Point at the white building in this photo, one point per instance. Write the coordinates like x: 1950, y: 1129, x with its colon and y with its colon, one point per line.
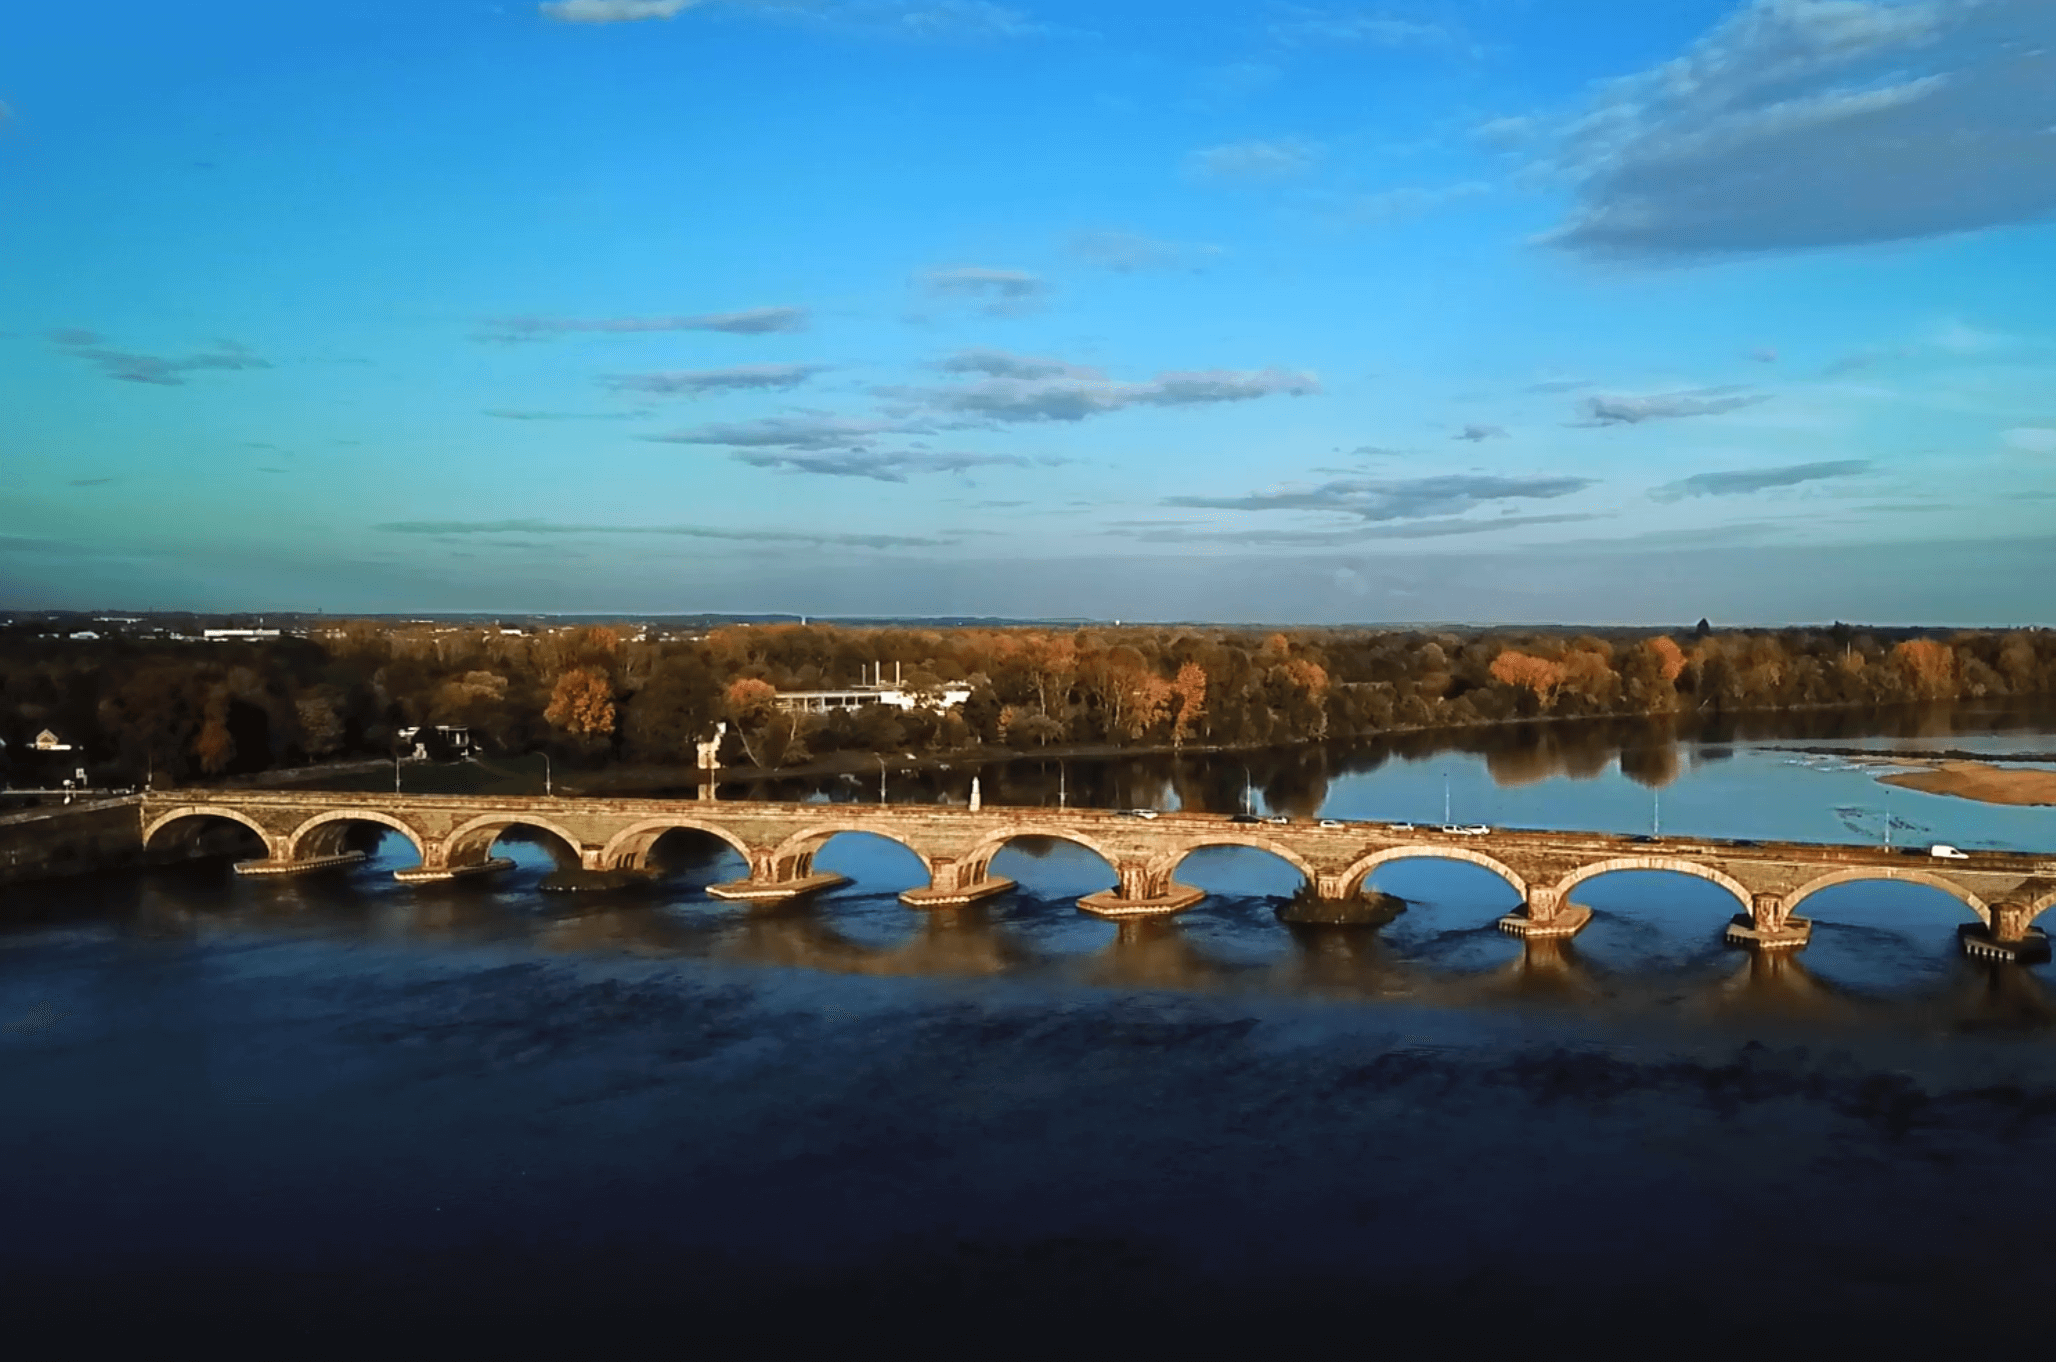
x: 224, y: 635
x: 857, y: 697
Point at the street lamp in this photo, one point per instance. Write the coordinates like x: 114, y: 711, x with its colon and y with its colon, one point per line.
x: 549, y: 782
x: 881, y: 779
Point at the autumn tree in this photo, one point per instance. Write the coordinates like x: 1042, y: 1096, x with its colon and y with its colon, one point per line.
x: 1928, y: 666
x: 1526, y: 671
x: 582, y: 705
x: 1188, y: 701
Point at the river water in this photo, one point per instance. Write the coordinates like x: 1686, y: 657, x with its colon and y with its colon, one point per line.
x: 527, y: 1115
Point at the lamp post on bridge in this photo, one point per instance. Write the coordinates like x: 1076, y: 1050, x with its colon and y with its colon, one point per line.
x: 881, y: 778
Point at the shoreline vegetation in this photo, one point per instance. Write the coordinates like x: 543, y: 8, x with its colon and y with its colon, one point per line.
x: 612, y: 705
x: 1976, y: 780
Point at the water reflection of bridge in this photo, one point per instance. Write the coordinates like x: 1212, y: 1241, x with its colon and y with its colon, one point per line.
x: 455, y: 835
x: 1336, y: 964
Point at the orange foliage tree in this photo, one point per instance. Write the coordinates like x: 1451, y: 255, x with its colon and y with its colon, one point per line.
x: 582, y: 704
x: 1930, y: 667
x: 1538, y: 674
x: 1188, y: 697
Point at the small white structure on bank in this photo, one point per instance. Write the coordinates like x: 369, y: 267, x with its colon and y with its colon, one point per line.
x: 455, y: 740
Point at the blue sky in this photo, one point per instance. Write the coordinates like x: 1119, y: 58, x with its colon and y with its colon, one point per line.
x: 1493, y: 310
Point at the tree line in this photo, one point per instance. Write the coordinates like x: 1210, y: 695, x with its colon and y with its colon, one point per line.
x: 596, y: 694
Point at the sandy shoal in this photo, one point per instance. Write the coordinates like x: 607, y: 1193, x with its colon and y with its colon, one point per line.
x: 1986, y: 784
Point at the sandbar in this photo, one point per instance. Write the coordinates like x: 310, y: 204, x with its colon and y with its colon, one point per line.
x: 1976, y: 780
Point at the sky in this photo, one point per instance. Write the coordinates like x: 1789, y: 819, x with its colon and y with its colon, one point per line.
x: 1460, y: 310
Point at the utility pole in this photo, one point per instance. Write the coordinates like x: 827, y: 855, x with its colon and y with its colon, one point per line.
x: 881, y: 780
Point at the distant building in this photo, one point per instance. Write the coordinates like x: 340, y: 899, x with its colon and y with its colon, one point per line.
x: 858, y: 697
x: 47, y: 741
x: 86, y: 634
x: 444, y: 741
x: 224, y: 635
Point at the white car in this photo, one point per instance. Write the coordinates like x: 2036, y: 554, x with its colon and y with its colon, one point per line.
x: 1466, y: 829
x: 1333, y: 823
x: 1278, y: 820
x: 1942, y: 851
x: 1399, y: 827
x: 1138, y: 813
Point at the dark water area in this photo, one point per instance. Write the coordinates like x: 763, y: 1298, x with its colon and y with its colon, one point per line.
x: 350, y: 1113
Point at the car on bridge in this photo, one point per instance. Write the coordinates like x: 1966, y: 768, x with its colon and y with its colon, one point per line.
x: 1138, y: 813
x: 1942, y: 851
x: 1466, y: 829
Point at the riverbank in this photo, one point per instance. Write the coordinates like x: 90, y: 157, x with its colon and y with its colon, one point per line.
x: 1977, y: 781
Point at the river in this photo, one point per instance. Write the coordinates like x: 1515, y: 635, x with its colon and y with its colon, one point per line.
x: 528, y: 1115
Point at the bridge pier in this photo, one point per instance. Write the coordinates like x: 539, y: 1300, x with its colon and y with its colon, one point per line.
x: 1547, y: 913
x: 951, y: 884
x: 2012, y: 936
x: 273, y: 865
x: 1769, y: 925
x: 1141, y: 893
x: 773, y: 881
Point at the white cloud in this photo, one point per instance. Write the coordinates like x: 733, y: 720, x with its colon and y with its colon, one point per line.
x: 1808, y: 123
x: 613, y: 11
x: 2032, y: 439
x: 1253, y: 161
x: 995, y: 292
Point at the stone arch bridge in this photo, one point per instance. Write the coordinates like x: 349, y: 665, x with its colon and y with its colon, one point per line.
x: 454, y: 835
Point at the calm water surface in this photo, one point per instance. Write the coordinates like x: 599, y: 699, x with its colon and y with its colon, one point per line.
x: 342, y: 1099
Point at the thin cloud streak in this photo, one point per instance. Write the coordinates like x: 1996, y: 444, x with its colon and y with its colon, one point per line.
x: 1744, y: 481
x: 758, y: 321
x: 700, y: 382
x: 1380, y: 499
x: 1630, y: 411
x: 554, y: 527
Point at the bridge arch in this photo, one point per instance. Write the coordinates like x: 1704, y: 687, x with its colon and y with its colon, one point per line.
x: 978, y: 860
x: 1354, y: 877
x: 2037, y: 907
x: 322, y: 835
x: 628, y: 848
x: 1856, y: 874
x: 194, y: 812
x: 1673, y: 865
x: 791, y: 856
x: 470, y: 843
x: 1164, y: 868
